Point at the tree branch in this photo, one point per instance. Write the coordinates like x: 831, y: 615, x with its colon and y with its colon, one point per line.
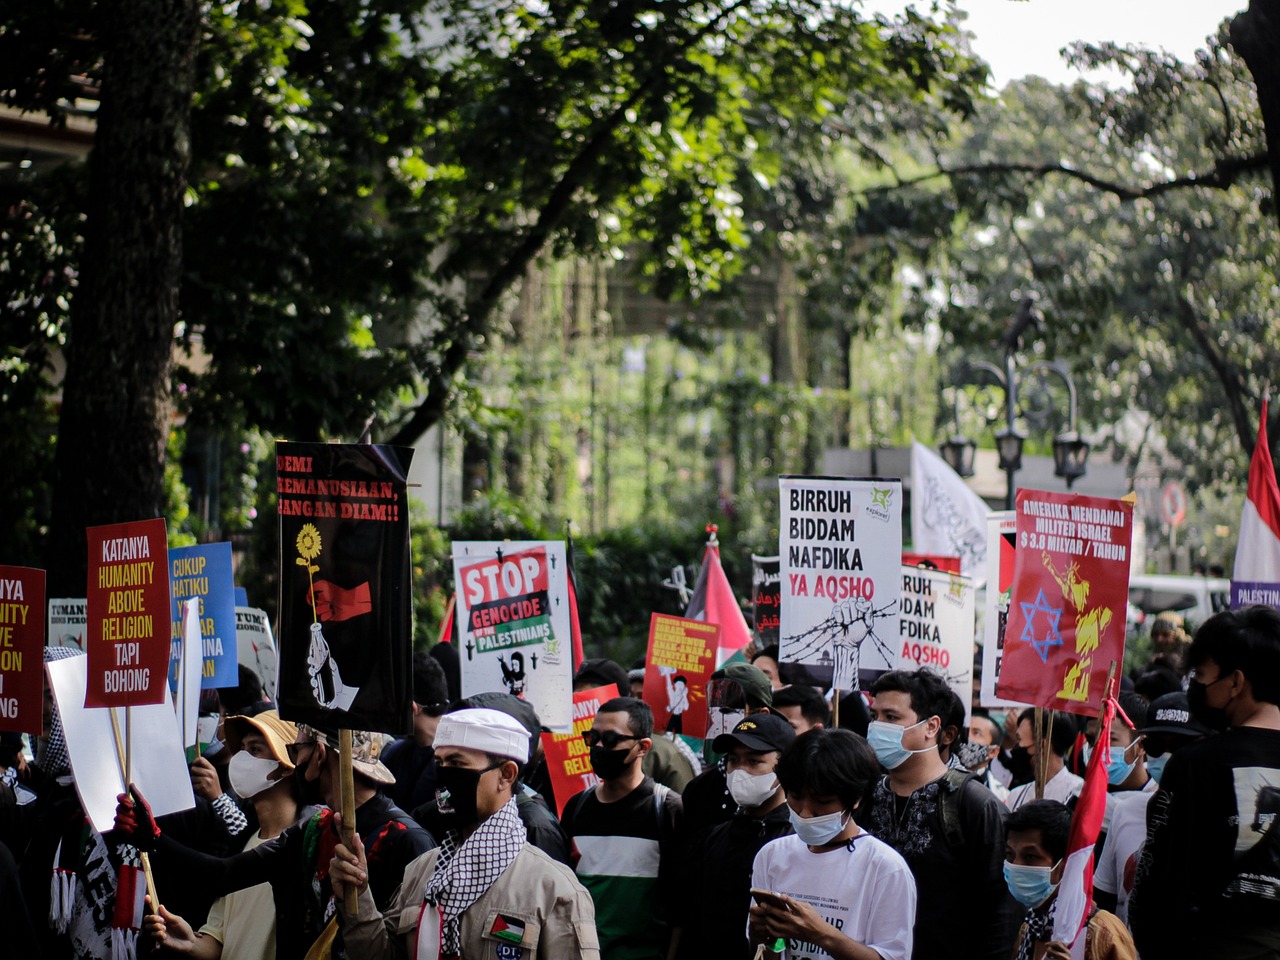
x: 1224, y: 174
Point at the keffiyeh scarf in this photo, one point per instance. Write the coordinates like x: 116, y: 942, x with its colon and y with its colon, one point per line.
x: 464, y: 871
x: 1039, y: 923
x: 96, y: 894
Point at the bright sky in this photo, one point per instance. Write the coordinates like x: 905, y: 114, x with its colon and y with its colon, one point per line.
x: 1019, y: 38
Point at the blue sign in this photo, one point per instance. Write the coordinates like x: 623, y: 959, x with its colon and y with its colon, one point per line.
x: 204, y: 572
x: 242, y: 597
x: 1244, y: 594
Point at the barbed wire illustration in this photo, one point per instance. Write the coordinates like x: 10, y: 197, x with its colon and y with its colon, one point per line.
x: 838, y: 640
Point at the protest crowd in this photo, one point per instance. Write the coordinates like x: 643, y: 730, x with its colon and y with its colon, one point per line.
x: 879, y: 836
x: 796, y: 789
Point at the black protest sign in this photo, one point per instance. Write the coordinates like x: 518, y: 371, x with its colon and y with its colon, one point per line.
x: 345, y: 629
x: 766, y: 598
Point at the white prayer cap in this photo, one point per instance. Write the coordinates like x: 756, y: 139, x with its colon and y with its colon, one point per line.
x: 489, y: 731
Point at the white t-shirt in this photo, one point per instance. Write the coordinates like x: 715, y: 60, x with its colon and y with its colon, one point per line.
x: 1124, y: 842
x: 1062, y: 786
x: 866, y: 893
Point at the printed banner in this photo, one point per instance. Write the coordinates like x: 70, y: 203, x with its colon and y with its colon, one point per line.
x: 680, y: 660
x: 156, y: 764
x: 345, y: 628
x: 127, y: 610
x: 937, y: 627
x: 1001, y: 550
x: 21, y: 649
x: 1244, y: 594
x: 67, y: 620
x: 204, y: 573
x: 766, y: 598
x: 840, y: 546
x: 255, y: 647
x: 513, y: 624
x: 1070, y: 596
x: 568, y: 758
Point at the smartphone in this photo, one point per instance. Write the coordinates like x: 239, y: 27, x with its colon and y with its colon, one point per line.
x: 767, y: 898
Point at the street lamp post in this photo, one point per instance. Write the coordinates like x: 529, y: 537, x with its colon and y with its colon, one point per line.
x: 1070, y: 450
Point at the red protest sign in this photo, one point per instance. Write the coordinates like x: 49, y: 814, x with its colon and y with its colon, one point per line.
x: 21, y: 649
x: 1070, y: 589
x: 680, y: 661
x: 568, y: 759
x: 127, y: 634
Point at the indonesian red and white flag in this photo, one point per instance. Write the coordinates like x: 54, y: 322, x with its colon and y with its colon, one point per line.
x: 1075, y: 891
x: 1258, y: 549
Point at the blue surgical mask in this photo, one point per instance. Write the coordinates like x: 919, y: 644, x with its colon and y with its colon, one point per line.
x: 816, y: 831
x: 886, y: 740
x: 1117, y: 770
x: 1030, y: 886
x: 1155, y: 766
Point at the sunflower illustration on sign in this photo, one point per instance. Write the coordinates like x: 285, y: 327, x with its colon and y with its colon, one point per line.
x: 326, y: 679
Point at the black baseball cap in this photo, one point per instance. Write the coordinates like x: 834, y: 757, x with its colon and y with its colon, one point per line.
x: 762, y: 732
x: 1170, y: 713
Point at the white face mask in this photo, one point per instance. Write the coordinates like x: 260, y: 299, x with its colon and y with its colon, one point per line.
x: 751, y: 790
x: 250, y: 774
x: 817, y: 831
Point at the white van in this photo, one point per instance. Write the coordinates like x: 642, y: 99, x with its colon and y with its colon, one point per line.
x: 1196, y: 598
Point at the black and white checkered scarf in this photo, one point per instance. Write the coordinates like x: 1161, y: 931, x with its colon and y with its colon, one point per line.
x: 464, y: 871
x: 1039, y: 923
x: 51, y: 749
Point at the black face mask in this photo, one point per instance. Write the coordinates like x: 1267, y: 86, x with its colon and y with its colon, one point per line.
x: 456, y: 789
x: 308, y: 790
x: 1215, y: 718
x: 609, y: 764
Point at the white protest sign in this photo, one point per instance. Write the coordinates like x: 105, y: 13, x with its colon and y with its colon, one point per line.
x: 513, y: 624
x: 840, y: 543
x: 158, y: 767
x: 1000, y: 556
x: 187, y: 702
x: 255, y: 646
x: 68, y: 617
x: 937, y: 623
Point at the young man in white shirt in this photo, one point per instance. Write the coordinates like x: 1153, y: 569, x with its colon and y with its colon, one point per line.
x: 831, y: 890
x: 1062, y: 785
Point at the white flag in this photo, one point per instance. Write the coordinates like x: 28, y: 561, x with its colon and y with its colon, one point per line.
x: 947, y: 518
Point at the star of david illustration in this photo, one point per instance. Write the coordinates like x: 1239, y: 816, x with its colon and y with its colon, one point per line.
x: 1051, y: 637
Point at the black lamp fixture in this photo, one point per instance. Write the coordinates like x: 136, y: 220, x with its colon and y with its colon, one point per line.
x: 958, y: 452
x: 1009, y: 445
x: 1070, y: 451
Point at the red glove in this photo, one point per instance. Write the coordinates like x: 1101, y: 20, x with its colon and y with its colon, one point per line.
x: 135, y: 820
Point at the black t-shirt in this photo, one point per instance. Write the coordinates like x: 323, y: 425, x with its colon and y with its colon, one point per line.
x: 715, y: 885
x: 1212, y: 856
x: 707, y: 801
x: 414, y: 768
x: 963, y: 906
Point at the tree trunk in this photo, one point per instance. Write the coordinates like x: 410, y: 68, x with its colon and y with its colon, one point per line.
x: 1255, y: 35
x: 115, y: 411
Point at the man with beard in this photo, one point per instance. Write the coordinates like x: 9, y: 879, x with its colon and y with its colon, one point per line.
x: 486, y: 892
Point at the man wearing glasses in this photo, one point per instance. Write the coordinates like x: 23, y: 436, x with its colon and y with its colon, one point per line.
x: 624, y: 834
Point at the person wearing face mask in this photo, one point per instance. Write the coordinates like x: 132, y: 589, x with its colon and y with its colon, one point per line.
x: 1062, y: 785
x: 243, y: 924
x: 831, y: 890
x: 295, y: 863
x: 1212, y: 853
x: 486, y: 893
x: 1035, y: 852
x: 716, y: 874
x: 947, y: 826
x: 1168, y: 728
x: 625, y: 836
x: 1127, y: 775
